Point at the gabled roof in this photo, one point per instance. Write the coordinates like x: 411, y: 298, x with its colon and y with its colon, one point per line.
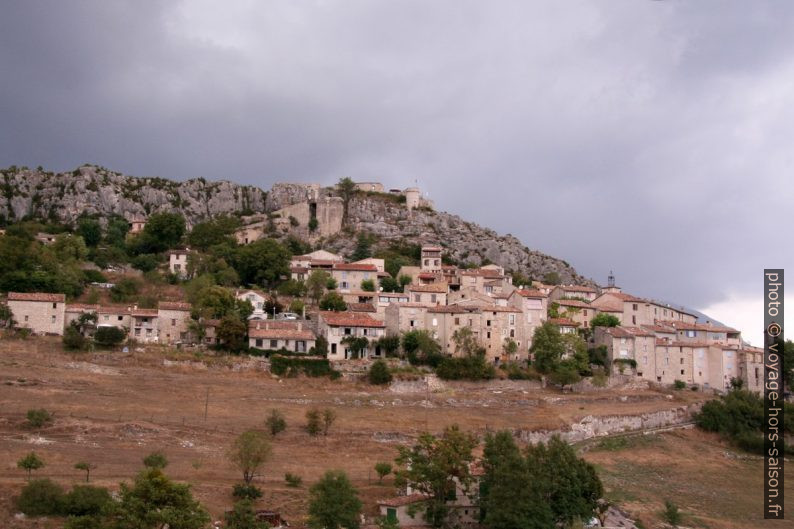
x: 361, y: 307
x: 435, y: 288
x: 350, y: 319
x: 563, y: 322
x: 36, y: 296
x: 573, y: 303
x: 288, y: 334
x: 530, y: 293
x: 173, y: 305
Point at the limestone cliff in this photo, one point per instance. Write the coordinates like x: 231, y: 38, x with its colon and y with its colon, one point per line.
x: 96, y: 190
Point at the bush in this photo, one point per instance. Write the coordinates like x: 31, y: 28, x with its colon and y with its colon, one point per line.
x: 516, y: 372
x: 124, y: 290
x: 242, y: 491
x: 333, y: 301
x: 94, y: 276
x: 155, y: 460
x: 41, y: 497
x: 314, y: 423
x: 38, y: 417
x: 679, y: 384
x: 275, y: 422
x: 671, y: 514
x: 292, y: 366
x: 471, y: 367
x: 73, y: 340
x: 109, y: 336
x: 379, y: 373
x: 86, y: 500
x: 292, y: 480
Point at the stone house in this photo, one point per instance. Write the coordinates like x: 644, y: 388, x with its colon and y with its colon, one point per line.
x: 316, y: 259
x: 634, y: 311
x: 533, y: 306
x: 293, y: 336
x: 498, y: 326
x: 250, y: 233
x: 42, y: 313
x: 349, y: 276
x: 404, y: 317
x: 578, y: 311
x: 566, y: 325
x: 137, y: 224
x: 751, y: 367
x: 573, y: 291
x: 177, y: 262
x: 430, y: 295
x: 144, y: 326
x: 403, y: 510
x: 173, y: 319
x: 442, y: 322
x: 74, y: 311
x: 629, y: 343
x: 257, y: 298
x: 431, y: 259
x: 336, y: 326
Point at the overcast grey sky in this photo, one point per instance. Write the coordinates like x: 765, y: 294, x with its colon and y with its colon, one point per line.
x: 649, y: 137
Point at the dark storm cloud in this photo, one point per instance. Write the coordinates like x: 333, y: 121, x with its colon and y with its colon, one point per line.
x: 639, y: 136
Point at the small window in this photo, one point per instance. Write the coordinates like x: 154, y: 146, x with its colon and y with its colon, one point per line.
x: 53, y: 319
x: 173, y: 323
x: 273, y: 344
x: 55, y: 305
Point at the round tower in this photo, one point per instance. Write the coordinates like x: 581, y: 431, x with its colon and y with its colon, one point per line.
x: 412, y: 197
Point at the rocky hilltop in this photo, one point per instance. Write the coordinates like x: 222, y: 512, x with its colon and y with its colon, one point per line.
x: 91, y: 189
x: 95, y: 190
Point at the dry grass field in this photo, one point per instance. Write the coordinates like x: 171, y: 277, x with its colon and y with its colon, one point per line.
x: 113, y: 409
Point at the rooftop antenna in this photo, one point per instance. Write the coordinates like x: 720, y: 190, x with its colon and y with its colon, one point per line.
x: 611, y: 279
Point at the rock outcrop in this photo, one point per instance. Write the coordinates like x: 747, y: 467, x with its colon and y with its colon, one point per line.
x: 90, y: 189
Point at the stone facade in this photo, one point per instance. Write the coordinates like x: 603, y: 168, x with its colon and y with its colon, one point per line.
x: 42, y: 313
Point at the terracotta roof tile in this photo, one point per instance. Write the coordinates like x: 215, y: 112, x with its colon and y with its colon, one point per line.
x: 530, y: 293
x: 361, y: 307
x: 356, y: 267
x: 36, y: 296
x: 173, y: 305
x: 274, y: 334
x: 436, y: 288
x: 350, y: 319
x: 563, y: 322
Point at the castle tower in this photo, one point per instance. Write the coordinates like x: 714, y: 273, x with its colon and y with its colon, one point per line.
x: 412, y: 197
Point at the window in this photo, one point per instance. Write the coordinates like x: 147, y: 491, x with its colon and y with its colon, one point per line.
x: 26, y: 317
x: 634, y: 306
x: 53, y: 319
x: 108, y: 317
x: 512, y: 319
x: 435, y: 322
x: 348, y: 331
x: 487, y: 323
x: 682, y: 371
x: 489, y: 335
x: 173, y: 322
x: 645, y: 359
x: 273, y: 344
x: 118, y: 317
x: 417, y: 298
x: 411, y: 323
x: 512, y: 333
x: 729, y: 354
x: 624, y: 353
x: 433, y: 298
x: 682, y: 360
x: 259, y: 342
x: 634, y: 320
x: 457, y: 321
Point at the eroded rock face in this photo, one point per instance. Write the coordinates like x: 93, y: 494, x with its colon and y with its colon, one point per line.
x: 95, y: 190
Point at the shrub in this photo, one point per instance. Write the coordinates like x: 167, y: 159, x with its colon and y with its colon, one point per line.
x: 41, y: 497
x: 679, y: 384
x: 94, y: 276
x: 383, y: 469
x: 671, y: 514
x: 292, y: 480
x: 86, y: 500
x: 379, y: 373
x: 313, y: 422
x: 292, y: 366
x: 73, y: 339
x: 38, y: 417
x: 109, y: 336
x: 155, y: 460
x: 333, y: 301
x: 275, y: 422
x: 313, y: 224
x: 243, y: 491
x: 471, y: 367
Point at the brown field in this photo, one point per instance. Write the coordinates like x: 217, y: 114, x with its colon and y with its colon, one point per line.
x: 113, y: 409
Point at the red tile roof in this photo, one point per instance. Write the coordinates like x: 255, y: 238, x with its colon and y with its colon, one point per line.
x: 173, y: 305
x: 435, y: 288
x: 361, y: 307
x: 350, y: 319
x: 276, y: 324
x: 629, y: 332
x: 574, y: 303
x: 527, y: 293
x: 563, y: 322
x: 577, y: 288
x: 147, y: 313
x: 284, y: 334
x: 356, y: 267
x: 36, y: 296
x: 80, y: 307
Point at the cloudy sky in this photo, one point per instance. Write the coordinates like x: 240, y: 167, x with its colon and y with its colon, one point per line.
x: 649, y: 137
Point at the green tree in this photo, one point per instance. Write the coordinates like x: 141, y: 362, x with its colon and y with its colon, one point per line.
x: 6, y: 316
x: 38, y: 417
x: 671, y: 514
x: 379, y: 373
x: 570, y: 485
x: 69, y: 247
x: 249, y: 452
x: 565, y: 374
x: 509, y: 497
x: 576, y: 352
x: 116, y: 231
x: 85, y: 500
x: 155, y: 502
x: 90, y: 230
x: 389, y: 284
x: 333, y: 301
x: 334, y: 503
x: 346, y: 189
x: 552, y: 278
x: 232, y: 331
x: 41, y: 497
x: 243, y: 516
x: 434, y: 465
x: 263, y: 262
x: 547, y: 347
x: 604, y: 320
x: 161, y: 232
x: 316, y: 283
x: 389, y: 344
x: 275, y: 422
x: 363, y: 248
x: 329, y: 417
x: 109, y: 336
x: 314, y: 424
x: 155, y: 460
x: 85, y: 467
x: 421, y: 348
x: 368, y: 285
x: 383, y: 469
x: 73, y: 339
x: 30, y: 463
x: 218, y: 230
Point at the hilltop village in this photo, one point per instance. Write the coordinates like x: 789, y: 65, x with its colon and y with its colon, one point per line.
x: 319, y: 303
